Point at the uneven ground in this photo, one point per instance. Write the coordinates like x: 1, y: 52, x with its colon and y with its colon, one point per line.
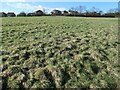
x: 67, y: 52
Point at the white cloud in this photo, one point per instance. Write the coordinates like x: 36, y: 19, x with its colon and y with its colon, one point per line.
x: 5, y: 10
x: 30, y: 8
x: 13, y: 0
x: 21, y: 5
x: 25, y: 6
x: 60, y: 0
x: 39, y: 7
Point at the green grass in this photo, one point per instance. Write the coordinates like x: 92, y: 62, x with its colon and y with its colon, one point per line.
x: 67, y: 52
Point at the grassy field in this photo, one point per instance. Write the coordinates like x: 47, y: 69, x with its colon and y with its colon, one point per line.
x: 67, y: 52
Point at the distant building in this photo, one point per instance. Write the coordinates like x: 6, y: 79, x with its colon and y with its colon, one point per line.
x: 31, y: 14
x: 73, y: 13
x: 39, y: 13
x: 109, y: 14
x: 56, y: 12
x: 11, y: 14
x: 3, y: 14
x: 65, y: 13
x: 92, y: 14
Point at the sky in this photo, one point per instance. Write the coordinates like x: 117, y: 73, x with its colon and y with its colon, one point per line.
x: 18, y: 6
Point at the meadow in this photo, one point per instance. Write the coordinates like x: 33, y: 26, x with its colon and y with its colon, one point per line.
x: 59, y: 52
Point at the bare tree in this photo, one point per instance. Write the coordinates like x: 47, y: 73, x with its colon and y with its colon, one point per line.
x: 110, y: 11
x: 94, y: 9
x: 81, y: 9
x: 116, y: 10
x: 72, y: 9
x: 44, y: 11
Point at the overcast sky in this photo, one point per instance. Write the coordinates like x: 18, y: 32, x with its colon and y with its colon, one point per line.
x: 23, y: 5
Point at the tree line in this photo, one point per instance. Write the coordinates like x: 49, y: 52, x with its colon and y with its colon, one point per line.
x: 74, y: 11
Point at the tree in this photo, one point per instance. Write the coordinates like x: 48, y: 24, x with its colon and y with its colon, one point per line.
x: 31, y: 14
x: 94, y: 9
x: 101, y: 12
x: 113, y: 12
x: 44, y: 11
x: 73, y: 9
x: 81, y: 9
x: 110, y: 11
x: 22, y: 14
